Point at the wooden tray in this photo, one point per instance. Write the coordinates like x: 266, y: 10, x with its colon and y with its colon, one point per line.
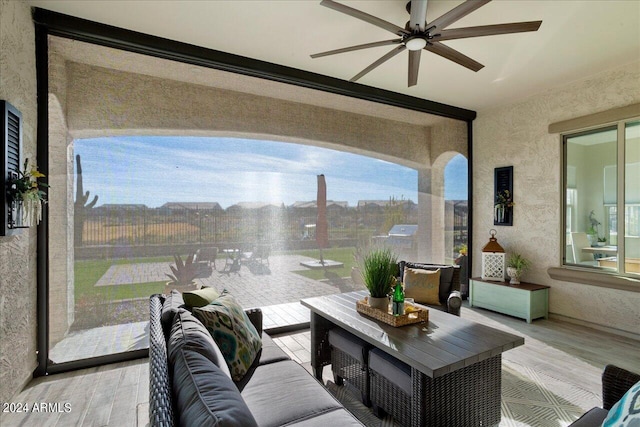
x: 404, y: 319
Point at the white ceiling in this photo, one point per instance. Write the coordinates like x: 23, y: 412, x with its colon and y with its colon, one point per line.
x: 577, y: 39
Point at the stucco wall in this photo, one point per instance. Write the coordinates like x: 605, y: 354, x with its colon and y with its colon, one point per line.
x: 518, y: 135
x: 18, y: 253
x: 109, y: 102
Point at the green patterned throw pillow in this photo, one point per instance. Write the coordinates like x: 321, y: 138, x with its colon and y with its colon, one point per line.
x: 232, y: 331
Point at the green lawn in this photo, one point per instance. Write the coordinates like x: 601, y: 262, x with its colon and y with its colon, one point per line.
x: 87, y: 273
x: 344, y: 255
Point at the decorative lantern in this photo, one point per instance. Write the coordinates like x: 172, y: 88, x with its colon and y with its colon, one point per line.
x: 493, y: 260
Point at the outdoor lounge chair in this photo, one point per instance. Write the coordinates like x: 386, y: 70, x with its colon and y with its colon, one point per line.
x: 259, y: 254
x: 207, y: 255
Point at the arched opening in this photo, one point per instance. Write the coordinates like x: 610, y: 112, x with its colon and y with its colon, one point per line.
x: 184, y: 169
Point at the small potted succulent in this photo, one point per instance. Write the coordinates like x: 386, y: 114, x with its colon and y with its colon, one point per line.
x: 516, y: 266
x: 379, y: 268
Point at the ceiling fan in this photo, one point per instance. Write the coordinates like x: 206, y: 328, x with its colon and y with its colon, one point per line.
x: 418, y: 34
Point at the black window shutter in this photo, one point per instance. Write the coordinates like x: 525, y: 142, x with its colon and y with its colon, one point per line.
x: 11, y: 128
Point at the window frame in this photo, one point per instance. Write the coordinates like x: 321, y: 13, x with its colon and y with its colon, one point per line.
x: 617, y: 118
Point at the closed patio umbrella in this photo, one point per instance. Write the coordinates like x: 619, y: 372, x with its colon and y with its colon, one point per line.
x: 322, y: 227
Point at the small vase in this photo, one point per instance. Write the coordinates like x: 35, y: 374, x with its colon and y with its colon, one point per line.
x: 379, y: 303
x: 514, y: 275
x: 499, y: 213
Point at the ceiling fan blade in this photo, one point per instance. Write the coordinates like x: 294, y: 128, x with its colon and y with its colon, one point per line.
x: 383, y: 59
x: 363, y: 16
x: 414, y: 66
x: 488, y: 30
x: 457, y: 13
x: 358, y: 47
x: 418, y: 20
x: 453, y: 55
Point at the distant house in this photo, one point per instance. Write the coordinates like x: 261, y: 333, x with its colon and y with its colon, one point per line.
x: 402, y: 236
x: 110, y: 208
x: 170, y: 207
x: 255, y: 206
x: 374, y: 205
x: 312, y: 206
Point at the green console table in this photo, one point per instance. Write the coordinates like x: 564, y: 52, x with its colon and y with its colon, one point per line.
x: 527, y: 300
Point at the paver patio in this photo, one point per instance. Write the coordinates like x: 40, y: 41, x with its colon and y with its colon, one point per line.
x: 274, y: 287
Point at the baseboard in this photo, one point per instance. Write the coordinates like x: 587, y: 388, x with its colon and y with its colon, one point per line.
x: 591, y: 325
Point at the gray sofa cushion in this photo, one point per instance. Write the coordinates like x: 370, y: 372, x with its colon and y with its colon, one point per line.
x: 204, y: 395
x: 446, y: 282
x: 336, y: 418
x: 187, y: 331
x: 283, y: 392
x: 348, y: 343
x: 593, y: 418
x: 170, y: 307
x: 270, y: 353
x: 391, y: 368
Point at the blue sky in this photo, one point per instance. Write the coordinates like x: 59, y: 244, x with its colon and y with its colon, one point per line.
x: 156, y: 170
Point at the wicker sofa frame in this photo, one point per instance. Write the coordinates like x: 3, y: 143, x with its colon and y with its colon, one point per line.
x: 160, y: 406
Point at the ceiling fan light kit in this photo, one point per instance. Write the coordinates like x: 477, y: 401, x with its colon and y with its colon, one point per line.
x: 419, y: 34
x: 415, y: 43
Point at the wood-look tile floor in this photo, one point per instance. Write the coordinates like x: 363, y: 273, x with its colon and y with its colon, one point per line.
x: 113, y: 395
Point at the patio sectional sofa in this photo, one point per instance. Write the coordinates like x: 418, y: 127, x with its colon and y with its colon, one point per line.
x: 616, y: 384
x: 188, y: 384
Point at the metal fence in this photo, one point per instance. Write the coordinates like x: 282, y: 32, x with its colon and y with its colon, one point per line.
x: 142, y: 226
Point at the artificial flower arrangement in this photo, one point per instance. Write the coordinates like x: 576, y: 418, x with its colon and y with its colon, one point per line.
x: 27, y: 195
x: 504, y: 199
x: 503, y: 202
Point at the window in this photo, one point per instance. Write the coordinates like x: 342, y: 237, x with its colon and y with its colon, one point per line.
x: 602, y: 198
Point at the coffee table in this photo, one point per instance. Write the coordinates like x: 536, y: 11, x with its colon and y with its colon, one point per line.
x: 455, y: 363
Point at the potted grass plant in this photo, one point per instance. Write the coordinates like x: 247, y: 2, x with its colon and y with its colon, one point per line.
x: 379, y: 268
x: 516, y: 265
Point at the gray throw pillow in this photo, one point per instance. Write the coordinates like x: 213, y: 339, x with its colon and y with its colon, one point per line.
x: 446, y: 282
x: 188, y: 332
x: 172, y: 303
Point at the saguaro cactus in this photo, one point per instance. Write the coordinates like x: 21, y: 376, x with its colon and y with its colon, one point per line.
x: 80, y: 206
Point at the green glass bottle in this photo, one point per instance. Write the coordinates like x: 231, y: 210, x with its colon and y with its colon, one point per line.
x: 398, y: 299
